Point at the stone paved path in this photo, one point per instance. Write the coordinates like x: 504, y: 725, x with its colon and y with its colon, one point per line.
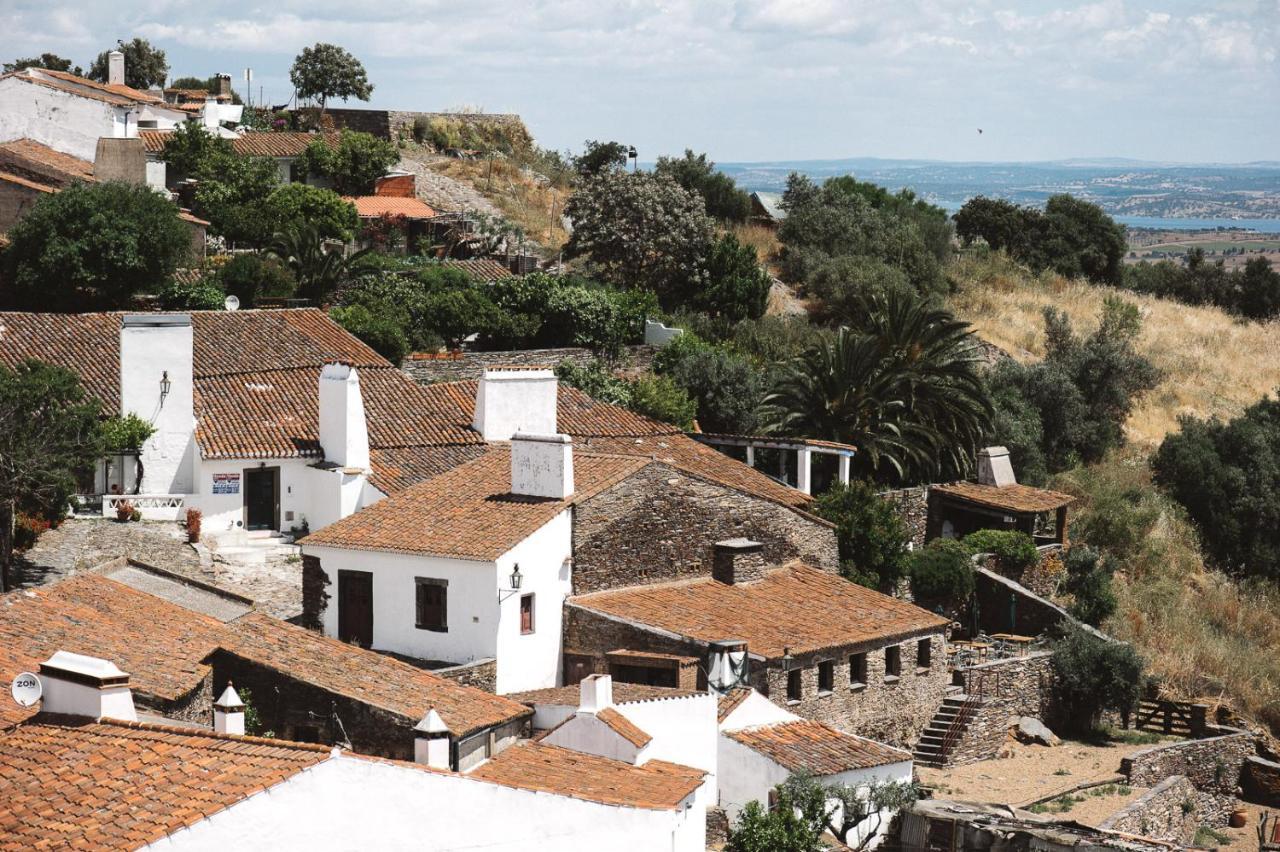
x: 80, y: 544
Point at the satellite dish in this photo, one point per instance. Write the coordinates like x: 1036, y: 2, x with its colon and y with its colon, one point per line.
x: 26, y: 689
x: 232, y: 303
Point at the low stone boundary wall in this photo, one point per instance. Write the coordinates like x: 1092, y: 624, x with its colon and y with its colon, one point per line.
x: 471, y: 365
x: 1023, y: 684
x: 1261, y: 781
x: 482, y: 674
x: 1169, y: 812
x: 1214, y: 766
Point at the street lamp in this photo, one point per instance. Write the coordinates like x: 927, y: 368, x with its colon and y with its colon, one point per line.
x: 632, y: 155
x: 165, y: 385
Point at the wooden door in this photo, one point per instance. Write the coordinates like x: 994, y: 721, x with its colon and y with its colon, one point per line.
x: 262, y: 498
x: 355, y: 607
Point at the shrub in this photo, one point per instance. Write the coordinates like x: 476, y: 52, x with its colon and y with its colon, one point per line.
x: 297, y: 205
x: 1093, y: 675
x: 942, y: 573
x: 421, y: 129
x: 249, y: 277
x: 27, y: 529
x: 1095, y: 599
x: 125, y: 433
x: 1015, y: 550
x: 737, y: 286
x: 381, y: 332
x: 728, y: 389
x: 353, y: 166
x: 662, y: 399
x: 596, y: 382
x: 201, y: 294
x: 871, y: 537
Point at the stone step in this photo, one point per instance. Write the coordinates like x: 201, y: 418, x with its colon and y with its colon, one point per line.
x: 241, y: 555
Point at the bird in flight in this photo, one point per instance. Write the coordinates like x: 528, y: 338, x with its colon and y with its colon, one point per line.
x: 979, y: 131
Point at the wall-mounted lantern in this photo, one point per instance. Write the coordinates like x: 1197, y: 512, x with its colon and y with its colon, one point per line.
x: 787, y: 659
x: 165, y: 385
x: 516, y: 579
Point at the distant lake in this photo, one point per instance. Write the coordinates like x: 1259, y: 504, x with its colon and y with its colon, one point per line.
x: 1266, y: 226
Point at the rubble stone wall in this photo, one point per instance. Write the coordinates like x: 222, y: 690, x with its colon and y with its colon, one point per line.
x: 1261, y: 781
x: 1023, y: 684
x: 471, y: 365
x: 1171, y: 811
x: 1214, y: 766
x: 984, y: 735
x: 912, y: 506
x: 482, y: 674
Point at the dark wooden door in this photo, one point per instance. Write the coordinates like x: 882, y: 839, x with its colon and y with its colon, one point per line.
x: 261, y: 498
x: 355, y: 607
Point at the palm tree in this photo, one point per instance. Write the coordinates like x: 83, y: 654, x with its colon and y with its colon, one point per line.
x: 319, y: 273
x: 904, y: 389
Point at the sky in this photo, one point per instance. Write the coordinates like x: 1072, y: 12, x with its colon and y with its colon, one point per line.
x: 749, y: 80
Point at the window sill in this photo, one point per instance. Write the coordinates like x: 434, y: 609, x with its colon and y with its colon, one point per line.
x: 857, y: 687
x: 432, y: 629
x: 527, y: 632
x: 824, y: 693
x: 892, y: 678
x: 923, y: 670
x: 792, y: 702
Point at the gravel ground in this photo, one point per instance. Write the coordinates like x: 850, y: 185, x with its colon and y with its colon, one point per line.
x: 1094, y: 809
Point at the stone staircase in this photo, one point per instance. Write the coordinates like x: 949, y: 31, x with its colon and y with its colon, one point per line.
x: 255, y: 547
x: 950, y: 722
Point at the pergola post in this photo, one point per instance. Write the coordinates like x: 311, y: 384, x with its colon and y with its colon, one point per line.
x: 804, y: 459
x: 751, y: 455
x: 844, y: 469
x: 1062, y: 526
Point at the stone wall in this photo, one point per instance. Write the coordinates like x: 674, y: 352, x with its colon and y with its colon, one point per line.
x: 1170, y: 812
x: 1023, y: 684
x: 196, y: 706
x: 1213, y: 765
x: 912, y: 506
x: 1261, y: 781
x: 471, y: 365
x: 315, y: 597
x: 592, y: 636
x: 1004, y: 606
x: 660, y: 524
x: 891, y: 710
x: 482, y: 674
x: 984, y: 734
x: 15, y: 200
x: 392, y: 124
x: 717, y: 828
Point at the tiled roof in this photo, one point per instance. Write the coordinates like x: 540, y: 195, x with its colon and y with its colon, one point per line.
x: 42, y: 163
x: 604, y: 428
x: 624, y: 727
x: 153, y: 140
x: 816, y: 747
x: 730, y: 701
x: 468, y: 512
x: 73, y: 783
x: 27, y: 183
x: 484, y: 269
x: 657, y: 785
x: 794, y: 607
x: 373, y: 206
x: 287, y: 143
x: 367, y: 677
x: 623, y: 693
x: 115, y: 95
x: 1012, y: 498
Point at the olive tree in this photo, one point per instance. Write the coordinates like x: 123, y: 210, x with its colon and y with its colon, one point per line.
x: 326, y: 71
x: 144, y: 66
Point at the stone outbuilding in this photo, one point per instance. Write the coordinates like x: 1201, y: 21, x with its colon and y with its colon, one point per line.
x: 997, y: 502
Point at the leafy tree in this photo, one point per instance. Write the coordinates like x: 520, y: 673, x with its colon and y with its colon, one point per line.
x: 250, y: 276
x: 354, y: 164
x: 201, y: 294
x: 906, y: 391
x: 1227, y: 477
x: 1093, y: 675
x: 318, y: 271
x: 843, y: 285
x: 598, y: 157
x: 456, y: 314
x: 737, y: 287
x: 662, y: 399
x: 1016, y: 423
x: 1001, y: 224
x: 383, y: 334
x: 942, y: 573
x: 189, y: 148
x: 596, y: 381
x: 49, y: 61
x: 641, y: 231
x: 696, y: 173
x: 144, y: 66
x: 231, y: 194
x: 293, y: 206
x: 728, y: 388
x: 1089, y: 581
x: 49, y: 436
x: 1253, y: 292
x: 92, y: 247
x: 872, y: 539
x: 327, y: 71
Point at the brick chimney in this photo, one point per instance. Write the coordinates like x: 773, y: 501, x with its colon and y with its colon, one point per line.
x: 431, y: 741
x: 77, y: 685
x: 115, y: 68
x: 344, y: 432
x: 542, y: 465
x: 515, y: 399
x: 595, y: 693
x: 228, y: 713
x: 737, y: 560
x: 224, y: 85
x: 994, y: 467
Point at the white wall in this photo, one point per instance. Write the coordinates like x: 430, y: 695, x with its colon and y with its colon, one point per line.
x: 510, y: 401
x: 683, y: 730
x: 63, y: 121
x: 300, y: 485
x: 160, y: 345
x: 533, y: 661
x: 756, y: 710
x: 350, y: 803
x: 585, y: 732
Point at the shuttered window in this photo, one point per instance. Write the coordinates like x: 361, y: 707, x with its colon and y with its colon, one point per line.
x: 432, y: 604
x: 526, y: 614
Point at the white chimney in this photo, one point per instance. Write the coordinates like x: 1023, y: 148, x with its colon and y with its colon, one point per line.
x: 228, y: 713
x: 596, y: 693
x: 156, y: 384
x: 542, y: 465
x: 994, y: 467
x: 209, y: 114
x: 76, y: 685
x: 344, y: 433
x: 515, y: 399
x: 115, y: 68
x: 431, y: 741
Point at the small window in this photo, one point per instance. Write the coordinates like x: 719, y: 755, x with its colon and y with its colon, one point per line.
x: 924, y: 653
x: 892, y: 661
x: 433, y: 604
x: 858, y: 670
x: 794, y: 691
x: 826, y: 676
x: 526, y: 614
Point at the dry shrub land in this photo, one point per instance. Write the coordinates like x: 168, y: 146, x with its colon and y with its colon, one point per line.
x: 525, y: 199
x: 1205, y: 635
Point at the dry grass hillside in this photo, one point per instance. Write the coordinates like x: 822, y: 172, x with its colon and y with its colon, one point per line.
x: 1204, y: 635
x: 1212, y: 364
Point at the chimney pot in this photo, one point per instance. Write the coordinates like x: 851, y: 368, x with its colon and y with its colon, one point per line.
x: 994, y: 467
x: 228, y: 712
x: 77, y: 685
x: 596, y: 693
x: 431, y: 741
x: 737, y: 560
x: 515, y: 399
x: 115, y: 68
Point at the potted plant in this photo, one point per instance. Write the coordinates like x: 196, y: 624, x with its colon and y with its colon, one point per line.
x: 125, y: 511
x: 193, y: 525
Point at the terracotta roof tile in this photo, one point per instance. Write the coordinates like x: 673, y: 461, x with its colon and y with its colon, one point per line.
x: 816, y: 747
x: 115, y: 95
x: 483, y: 269
x: 795, y: 606
x: 1013, y: 498
x: 624, y: 727
x: 468, y: 512
x: 730, y: 701
x: 657, y: 785
x: 43, y: 164
x: 623, y: 693
x: 373, y: 206
x: 117, y: 785
x: 284, y: 144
